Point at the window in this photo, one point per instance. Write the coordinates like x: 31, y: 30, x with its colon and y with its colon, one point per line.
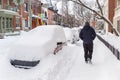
x: 26, y: 23
x: 118, y: 26
x: 26, y: 6
x: 17, y: 22
x: 118, y: 2
x: 10, y: 1
x: 0, y: 2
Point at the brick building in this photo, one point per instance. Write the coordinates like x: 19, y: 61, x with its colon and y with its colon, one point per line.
x: 8, y: 16
x: 36, y: 7
x: 14, y: 16
x: 51, y: 13
x: 109, y: 7
x: 36, y: 13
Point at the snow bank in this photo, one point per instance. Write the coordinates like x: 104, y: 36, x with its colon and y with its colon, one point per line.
x: 112, y: 39
x: 6, y: 43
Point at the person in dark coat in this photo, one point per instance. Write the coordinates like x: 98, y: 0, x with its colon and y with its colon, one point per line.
x: 87, y: 34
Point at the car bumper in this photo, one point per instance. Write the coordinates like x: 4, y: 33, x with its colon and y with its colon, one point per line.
x: 24, y: 64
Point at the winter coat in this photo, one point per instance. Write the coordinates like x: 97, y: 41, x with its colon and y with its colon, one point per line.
x: 87, y: 34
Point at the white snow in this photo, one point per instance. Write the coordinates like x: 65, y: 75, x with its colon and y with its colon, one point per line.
x: 67, y: 64
x: 68, y: 34
x: 112, y: 39
x: 75, y: 31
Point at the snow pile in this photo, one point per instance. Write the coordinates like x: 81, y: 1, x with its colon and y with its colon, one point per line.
x: 6, y: 43
x: 112, y: 39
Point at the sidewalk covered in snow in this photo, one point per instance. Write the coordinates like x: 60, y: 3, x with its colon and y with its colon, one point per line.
x: 105, y: 65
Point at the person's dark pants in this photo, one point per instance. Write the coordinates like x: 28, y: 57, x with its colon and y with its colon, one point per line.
x: 88, y: 50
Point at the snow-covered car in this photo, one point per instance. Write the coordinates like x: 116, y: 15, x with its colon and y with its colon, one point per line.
x: 35, y: 45
x: 75, y: 32
x: 69, y: 34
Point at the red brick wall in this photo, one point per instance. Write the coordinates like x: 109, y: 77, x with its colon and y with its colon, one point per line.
x: 111, y: 4
x: 36, y: 7
x: 50, y: 17
x: 14, y: 22
x: 115, y: 3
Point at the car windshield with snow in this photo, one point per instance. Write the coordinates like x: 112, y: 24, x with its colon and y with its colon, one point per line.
x: 35, y: 45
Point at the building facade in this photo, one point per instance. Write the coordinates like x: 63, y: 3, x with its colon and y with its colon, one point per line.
x: 35, y: 11
x: 15, y: 14
x: 117, y: 15
x: 108, y: 10
x: 51, y: 16
x: 8, y: 16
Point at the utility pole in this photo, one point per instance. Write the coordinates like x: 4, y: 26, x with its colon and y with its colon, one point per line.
x: 30, y: 14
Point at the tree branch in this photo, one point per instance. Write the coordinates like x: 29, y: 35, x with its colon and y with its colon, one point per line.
x: 99, y: 7
x: 81, y: 3
x: 100, y: 15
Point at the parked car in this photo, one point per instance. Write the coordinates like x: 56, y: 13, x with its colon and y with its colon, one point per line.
x: 35, y: 45
x: 69, y: 34
x: 75, y: 34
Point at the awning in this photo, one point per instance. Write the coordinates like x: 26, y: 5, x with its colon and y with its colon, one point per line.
x: 4, y: 11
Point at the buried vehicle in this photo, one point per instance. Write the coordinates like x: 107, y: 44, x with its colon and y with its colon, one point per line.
x: 69, y: 34
x: 35, y: 45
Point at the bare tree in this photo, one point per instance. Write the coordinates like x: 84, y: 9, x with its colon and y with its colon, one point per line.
x: 100, y: 13
x: 67, y: 18
x: 82, y: 13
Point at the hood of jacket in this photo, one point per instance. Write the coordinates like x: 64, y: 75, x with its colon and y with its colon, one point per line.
x: 86, y: 26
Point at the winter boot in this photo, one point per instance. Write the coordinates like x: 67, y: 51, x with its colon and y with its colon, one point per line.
x: 86, y: 62
x: 89, y: 61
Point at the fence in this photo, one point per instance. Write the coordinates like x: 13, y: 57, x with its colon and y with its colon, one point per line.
x: 114, y: 50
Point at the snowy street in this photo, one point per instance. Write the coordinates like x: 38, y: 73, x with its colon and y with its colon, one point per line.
x: 68, y: 64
